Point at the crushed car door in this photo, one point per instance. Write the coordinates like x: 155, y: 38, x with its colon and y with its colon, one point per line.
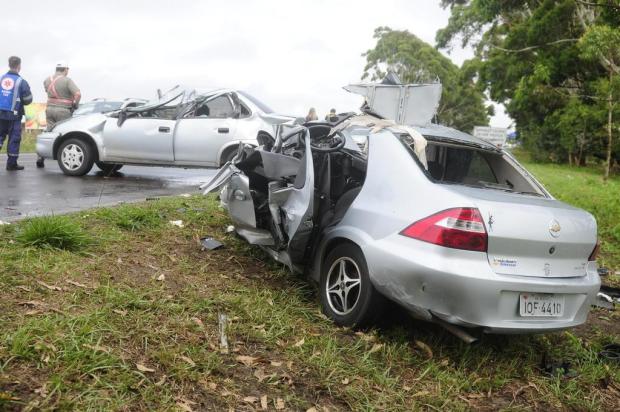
x: 204, y: 130
x: 290, y: 204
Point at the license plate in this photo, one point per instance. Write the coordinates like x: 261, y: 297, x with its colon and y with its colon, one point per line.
x: 541, y: 305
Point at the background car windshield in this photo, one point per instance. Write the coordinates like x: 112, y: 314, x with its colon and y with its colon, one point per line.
x: 97, y: 107
x: 262, y: 106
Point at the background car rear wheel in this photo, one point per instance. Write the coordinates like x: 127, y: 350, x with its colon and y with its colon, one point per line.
x: 108, y: 168
x: 75, y: 157
x: 347, y: 295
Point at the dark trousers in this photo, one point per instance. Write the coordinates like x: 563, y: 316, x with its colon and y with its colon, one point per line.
x: 13, y: 129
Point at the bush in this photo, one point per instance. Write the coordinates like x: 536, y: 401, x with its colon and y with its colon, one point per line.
x: 57, y: 232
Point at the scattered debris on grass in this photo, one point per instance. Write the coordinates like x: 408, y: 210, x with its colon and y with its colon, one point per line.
x: 611, y: 352
x: 177, y: 223
x: 208, y: 243
x: 223, y: 325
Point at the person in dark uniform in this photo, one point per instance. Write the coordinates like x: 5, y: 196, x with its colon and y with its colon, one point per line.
x: 14, y: 95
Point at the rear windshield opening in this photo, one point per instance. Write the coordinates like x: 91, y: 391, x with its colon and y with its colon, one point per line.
x: 467, y: 166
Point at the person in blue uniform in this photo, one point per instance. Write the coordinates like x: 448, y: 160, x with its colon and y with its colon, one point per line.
x: 14, y: 95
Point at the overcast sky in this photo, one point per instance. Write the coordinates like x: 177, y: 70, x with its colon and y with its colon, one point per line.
x: 291, y: 54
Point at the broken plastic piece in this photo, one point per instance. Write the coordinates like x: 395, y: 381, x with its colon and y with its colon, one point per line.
x: 178, y: 223
x: 604, y: 301
x: 209, y: 243
x: 603, y: 271
x: 611, y: 352
x: 223, y: 324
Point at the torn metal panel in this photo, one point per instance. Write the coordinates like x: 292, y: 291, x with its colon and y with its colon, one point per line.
x: 411, y: 104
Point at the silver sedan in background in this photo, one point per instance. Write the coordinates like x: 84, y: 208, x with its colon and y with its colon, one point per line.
x: 182, y: 128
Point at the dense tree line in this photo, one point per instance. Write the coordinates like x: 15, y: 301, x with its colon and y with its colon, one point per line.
x: 555, y: 64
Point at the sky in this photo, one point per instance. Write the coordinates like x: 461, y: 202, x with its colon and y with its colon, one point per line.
x: 290, y: 54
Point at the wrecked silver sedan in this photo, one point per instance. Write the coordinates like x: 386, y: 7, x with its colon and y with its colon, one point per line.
x: 444, y: 224
x: 181, y: 128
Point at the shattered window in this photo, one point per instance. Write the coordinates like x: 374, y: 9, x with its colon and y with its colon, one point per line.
x: 218, y: 108
x: 457, y: 164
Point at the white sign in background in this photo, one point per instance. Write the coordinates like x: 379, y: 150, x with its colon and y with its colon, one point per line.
x: 494, y: 135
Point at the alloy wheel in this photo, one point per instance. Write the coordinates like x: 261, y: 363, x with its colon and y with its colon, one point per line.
x: 72, y: 157
x: 343, y: 285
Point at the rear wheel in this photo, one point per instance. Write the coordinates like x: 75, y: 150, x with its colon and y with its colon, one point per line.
x: 75, y: 157
x: 347, y: 295
x: 108, y: 168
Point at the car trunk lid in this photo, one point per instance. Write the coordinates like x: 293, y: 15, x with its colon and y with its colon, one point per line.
x: 534, y: 236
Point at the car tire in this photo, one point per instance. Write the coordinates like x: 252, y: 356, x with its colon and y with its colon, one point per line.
x: 75, y: 157
x: 108, y: 168
x: 350, y: 300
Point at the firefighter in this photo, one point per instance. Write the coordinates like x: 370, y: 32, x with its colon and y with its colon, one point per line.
x: 63, y: 97
x: 14, y: 95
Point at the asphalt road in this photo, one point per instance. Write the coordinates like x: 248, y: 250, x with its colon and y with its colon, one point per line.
x: 35, y: 192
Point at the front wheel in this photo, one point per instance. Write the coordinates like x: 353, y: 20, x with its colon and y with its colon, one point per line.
x: 75, y: 157
x: 228, y: 156
x: 347, y: 295
x: 108, y: 168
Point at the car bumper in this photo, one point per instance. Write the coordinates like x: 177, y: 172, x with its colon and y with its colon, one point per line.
x: 459, y: 287
x: 45, y: 144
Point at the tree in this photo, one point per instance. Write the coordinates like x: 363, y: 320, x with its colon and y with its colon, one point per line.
x: 602, y: 43
x: 540, y: 59
x: 462, y: 103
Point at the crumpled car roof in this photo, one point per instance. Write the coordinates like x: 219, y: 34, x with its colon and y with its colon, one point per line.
x: 447, y: 133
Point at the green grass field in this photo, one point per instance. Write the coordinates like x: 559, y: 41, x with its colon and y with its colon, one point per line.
x: 28, y: 144
x: 124, y: 316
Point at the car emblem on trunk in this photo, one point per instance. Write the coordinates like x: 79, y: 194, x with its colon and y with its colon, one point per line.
x: 555, y: 228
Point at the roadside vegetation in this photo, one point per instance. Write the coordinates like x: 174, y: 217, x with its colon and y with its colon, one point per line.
x: 130, y: 321
x: 28, y: 144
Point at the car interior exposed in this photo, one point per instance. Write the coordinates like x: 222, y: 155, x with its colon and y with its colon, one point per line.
x: 339, y: 174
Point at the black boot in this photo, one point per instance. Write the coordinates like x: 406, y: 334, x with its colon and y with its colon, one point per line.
x: 40, y: 162
x: 14, y: 167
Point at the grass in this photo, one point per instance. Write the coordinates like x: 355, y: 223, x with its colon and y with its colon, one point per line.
x: 131, y: 323
x: 28, y: 143
x: 59, y: 232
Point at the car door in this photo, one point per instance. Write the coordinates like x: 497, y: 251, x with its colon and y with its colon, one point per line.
x: 143, y: 134
x: 291, y: 206
x: 143, y: 140
x: 204, y: 131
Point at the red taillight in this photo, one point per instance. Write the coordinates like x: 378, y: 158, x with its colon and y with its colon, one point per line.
x: 595, y: 251
x: 458, y: 228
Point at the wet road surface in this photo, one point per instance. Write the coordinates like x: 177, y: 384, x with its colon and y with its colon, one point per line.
x: 35, y: 192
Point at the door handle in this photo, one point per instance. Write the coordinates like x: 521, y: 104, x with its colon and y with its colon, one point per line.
x: 223, y: 130
x: 164, y: 129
